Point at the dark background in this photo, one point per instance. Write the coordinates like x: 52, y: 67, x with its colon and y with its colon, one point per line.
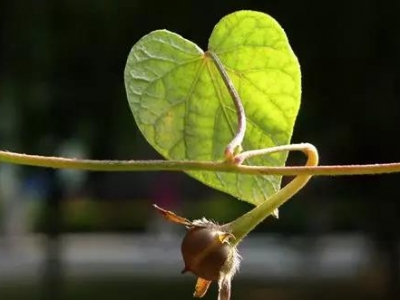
x: 61, y: 86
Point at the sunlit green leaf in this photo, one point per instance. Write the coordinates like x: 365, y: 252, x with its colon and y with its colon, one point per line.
x: 184, y: 110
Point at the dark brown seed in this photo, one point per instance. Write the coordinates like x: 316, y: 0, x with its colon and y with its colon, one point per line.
x: 204, y: 253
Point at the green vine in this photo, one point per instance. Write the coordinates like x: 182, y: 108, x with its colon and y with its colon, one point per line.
x: 178, y: 165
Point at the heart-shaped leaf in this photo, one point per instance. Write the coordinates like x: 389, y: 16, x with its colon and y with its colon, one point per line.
x: 184, y: 110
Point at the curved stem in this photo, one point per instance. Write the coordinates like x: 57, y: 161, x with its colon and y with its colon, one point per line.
x: 240, y: 158
x: 189, y: 165
x: 245, y: 223
x: 237, y: 140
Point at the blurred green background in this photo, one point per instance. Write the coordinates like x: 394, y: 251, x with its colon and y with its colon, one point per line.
x: 77, y: 235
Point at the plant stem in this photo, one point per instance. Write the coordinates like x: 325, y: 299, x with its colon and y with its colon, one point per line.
x: 231, y: 148
x: 246, y: 223
x: 189, y: 165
